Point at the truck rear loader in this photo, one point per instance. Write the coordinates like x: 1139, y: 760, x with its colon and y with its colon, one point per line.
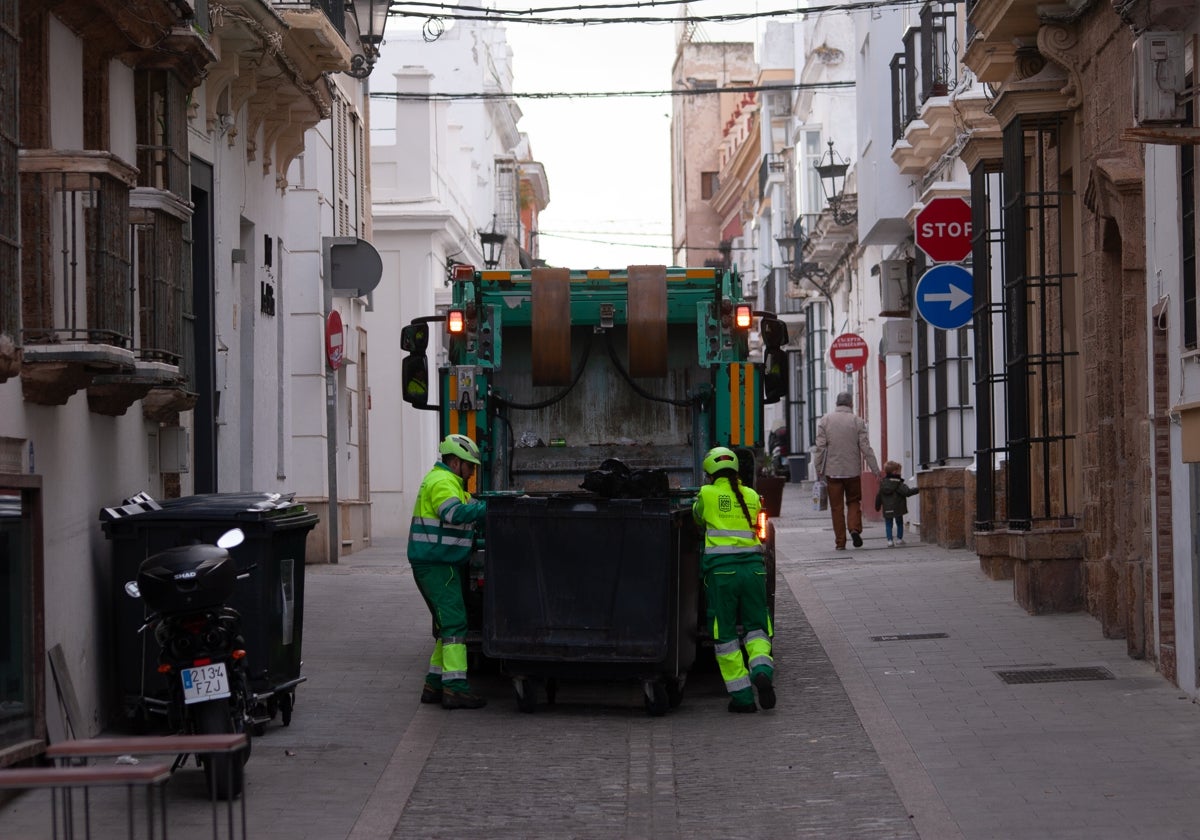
x: 593, y: 397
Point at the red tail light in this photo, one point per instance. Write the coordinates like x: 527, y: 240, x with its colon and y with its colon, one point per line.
x: 462, y: 272
x: 200, y: 663
x: 194, y: 625
x: 742, y: 317
x: 761, y: 526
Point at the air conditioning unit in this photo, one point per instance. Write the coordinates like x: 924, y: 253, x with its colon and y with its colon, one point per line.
x: 894, y: 295
x: 1158, y: 77
x: 897, y: 337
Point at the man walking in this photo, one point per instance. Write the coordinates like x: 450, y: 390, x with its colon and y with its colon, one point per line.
x: 842, y: 446
x: 440, y: 540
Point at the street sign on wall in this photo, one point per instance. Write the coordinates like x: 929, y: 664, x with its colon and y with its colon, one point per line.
x: 942, y: 229
x: 944, y: 296
x: 848, y: 352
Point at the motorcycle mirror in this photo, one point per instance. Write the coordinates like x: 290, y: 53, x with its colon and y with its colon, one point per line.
x: 231, y: 538
x: 131, y: 589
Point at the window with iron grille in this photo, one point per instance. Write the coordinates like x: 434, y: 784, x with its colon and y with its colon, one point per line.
x: 991, y: 382
x: 162, y: 144
x: 796, y: 402
x: 943, y: 370
x: 816, y: 346
x: 10, y: 274
x: 1187, y: 195
x: 1038, y: 284
x: 901, y: 116
x: 160, y: 263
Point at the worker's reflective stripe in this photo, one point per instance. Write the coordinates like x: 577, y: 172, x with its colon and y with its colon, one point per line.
x: 756, y: 634
x: 760, y: 661
x: 714, y: 550
x: 745, y: 535
x: 454, y: 640
x: 447, y: 505
x: 732, y: 685
x: 417, y: 536
x: 726, y: 648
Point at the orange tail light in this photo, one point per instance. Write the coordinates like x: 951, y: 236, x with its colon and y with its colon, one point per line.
x: 761, y: 526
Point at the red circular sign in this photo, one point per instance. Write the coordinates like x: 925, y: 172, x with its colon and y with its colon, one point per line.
x: 848, y: 352
x: 943, y: 229
x: 334, y: 339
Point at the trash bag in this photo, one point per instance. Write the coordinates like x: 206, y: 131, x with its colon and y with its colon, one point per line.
x: 606, y: 483
x: 648, y: 484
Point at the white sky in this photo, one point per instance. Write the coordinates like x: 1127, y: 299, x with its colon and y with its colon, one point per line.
x: 607, y: 160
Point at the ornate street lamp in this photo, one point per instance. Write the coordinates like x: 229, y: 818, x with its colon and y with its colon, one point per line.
x: 370, y: 17
x: 493, y: 245
x: 832, y: 170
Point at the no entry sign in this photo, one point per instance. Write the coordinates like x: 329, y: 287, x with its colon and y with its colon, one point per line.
x: 848, y: 352
x: 943, y: 229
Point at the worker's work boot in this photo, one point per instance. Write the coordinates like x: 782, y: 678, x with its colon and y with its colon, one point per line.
x: 742, y: 708
x: 429, y: 694
x: 453, y: 699
x: 766, y: 691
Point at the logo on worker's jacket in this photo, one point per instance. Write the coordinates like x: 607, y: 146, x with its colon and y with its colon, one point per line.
x: 725, y: 503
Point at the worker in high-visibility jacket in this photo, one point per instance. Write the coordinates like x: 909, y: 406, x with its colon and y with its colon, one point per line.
x: 735, y: 582
x: 440, y: 540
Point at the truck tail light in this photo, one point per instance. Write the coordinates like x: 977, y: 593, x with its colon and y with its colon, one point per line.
x: 454, y: 321
x: 462, y: 272
x: 761, y: 526
x: 742, y: 317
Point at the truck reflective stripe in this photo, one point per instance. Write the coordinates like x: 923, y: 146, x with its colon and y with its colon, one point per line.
x: 452, y: 384
x: 735, y: 412
x: 748, y: 403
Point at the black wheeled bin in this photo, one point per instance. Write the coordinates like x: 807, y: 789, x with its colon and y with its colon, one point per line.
x: 270, y: 599
x: 589, y: 588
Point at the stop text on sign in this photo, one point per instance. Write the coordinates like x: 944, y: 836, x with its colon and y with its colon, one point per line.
x: 941, y: 230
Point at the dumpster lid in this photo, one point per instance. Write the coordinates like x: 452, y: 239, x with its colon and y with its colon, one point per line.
x: 249, y: 506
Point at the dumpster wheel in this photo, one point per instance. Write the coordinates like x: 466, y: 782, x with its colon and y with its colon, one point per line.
x: 656, y: 697
x: 526, y: 693
x: 674, y: 687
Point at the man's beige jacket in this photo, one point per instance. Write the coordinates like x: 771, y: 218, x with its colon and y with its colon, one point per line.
x: 842, y: 444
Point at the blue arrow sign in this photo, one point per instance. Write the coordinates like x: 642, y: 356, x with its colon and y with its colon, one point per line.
x: 944, y: 295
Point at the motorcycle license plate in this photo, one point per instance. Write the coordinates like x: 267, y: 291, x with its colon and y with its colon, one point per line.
x: 209, y: 682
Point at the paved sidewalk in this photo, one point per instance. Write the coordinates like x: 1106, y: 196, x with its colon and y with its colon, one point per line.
x: 971, y: 754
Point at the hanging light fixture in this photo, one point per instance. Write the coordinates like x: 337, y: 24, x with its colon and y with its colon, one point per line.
x: 493, y: 245
x: 370, y: 16
x: 832, y: 170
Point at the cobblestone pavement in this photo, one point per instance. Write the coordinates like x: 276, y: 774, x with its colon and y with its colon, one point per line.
x: 872, y: 738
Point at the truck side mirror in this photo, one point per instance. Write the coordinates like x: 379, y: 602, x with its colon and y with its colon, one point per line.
x: 774, y: 332
x: 775, y: 374
x: 414, y: 378
x: 415, y: 338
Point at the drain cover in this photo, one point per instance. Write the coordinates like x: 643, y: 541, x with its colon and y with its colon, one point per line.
x: 907, y: 637
x: 1048, y: 675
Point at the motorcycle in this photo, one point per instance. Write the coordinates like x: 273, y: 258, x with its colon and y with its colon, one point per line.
x: 201, y: 650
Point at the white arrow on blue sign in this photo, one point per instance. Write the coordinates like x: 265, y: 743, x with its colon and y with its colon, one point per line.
x: 944, y: 295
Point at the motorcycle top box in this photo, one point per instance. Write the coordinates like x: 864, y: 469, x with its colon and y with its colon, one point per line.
x: 187, y: 577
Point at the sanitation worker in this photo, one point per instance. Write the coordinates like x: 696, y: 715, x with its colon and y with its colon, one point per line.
x: 735, y: 584
x: 440, y: 540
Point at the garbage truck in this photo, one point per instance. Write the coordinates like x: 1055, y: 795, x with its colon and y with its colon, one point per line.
x: 593, y: 397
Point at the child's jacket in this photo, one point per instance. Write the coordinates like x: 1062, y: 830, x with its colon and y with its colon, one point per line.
x: 893, y: 495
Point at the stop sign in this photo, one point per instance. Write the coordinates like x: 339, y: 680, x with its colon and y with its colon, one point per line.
x: 848, y: 352
x: 943, y: 229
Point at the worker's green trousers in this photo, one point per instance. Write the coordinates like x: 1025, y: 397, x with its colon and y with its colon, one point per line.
x: 441, y: 587
x: 737, y: 593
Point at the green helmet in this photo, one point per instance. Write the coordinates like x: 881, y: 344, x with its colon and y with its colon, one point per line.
x: 720, y: 458
x: 462, y: 446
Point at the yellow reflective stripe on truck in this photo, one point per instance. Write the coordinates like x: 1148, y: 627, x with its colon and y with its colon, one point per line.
x: 741, y: 404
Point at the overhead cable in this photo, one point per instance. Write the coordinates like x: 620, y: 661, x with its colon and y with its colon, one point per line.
x: 414, y: 96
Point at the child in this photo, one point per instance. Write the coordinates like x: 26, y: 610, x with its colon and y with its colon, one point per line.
x: 892, y: 498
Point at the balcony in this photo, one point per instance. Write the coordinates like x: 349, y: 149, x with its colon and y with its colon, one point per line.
x: 76, y: 294
x: 924, y: 78
x: 271, y: 62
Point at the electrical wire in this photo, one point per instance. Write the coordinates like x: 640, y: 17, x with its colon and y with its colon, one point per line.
x: 445, y: 96
x: 494, y: 16
x: 638, y: 389
x: 587, y: 350
x: 577, y: 7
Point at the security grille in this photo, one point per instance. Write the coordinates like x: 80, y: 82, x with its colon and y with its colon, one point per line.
x: 1048, y: 675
